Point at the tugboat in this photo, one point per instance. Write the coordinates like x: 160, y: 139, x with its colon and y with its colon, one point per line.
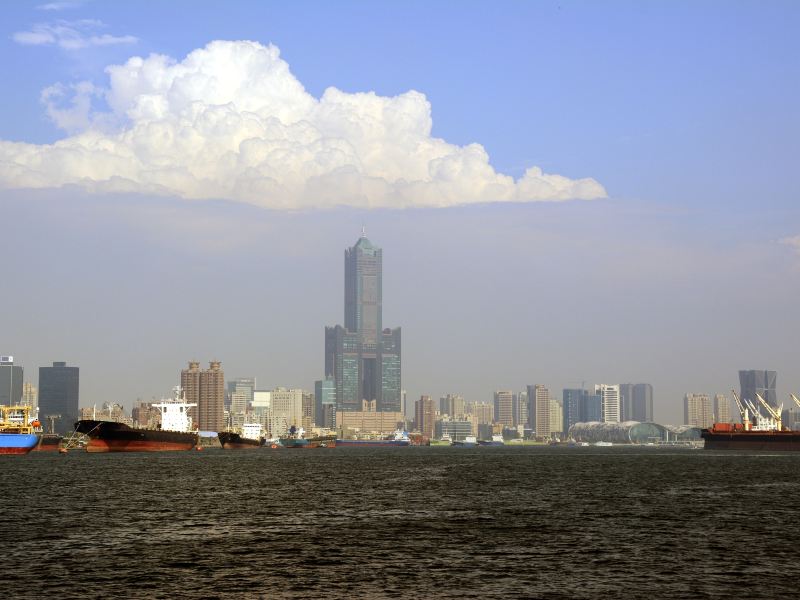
x: 17, y: 432
x: 176, y: 432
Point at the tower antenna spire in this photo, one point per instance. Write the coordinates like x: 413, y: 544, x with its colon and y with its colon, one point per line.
x: 363, y: 230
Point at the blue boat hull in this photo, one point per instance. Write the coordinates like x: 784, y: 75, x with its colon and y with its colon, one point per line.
x: 17, y: 443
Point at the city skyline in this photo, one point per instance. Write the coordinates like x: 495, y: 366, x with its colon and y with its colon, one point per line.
x: 456, y: 139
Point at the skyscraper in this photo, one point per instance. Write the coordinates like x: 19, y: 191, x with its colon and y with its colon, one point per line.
x: 10, y: 381
x: 758, y: 382
x: 363, y: 358
x: 541, y: 401
x: 206, y: 387
x: 722, y: 409
x: 697, y: 410
x: 425, y: 415
x: 636, y: 402
x: 504, y: 407
x: 59, y: 395
x: 325, y: 398
x: 609, y: 395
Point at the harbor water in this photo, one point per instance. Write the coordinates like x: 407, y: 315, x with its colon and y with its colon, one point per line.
x: 507, y: 522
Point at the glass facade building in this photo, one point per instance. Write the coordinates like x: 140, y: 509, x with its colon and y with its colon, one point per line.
x: 758, y: 382
x: 325, y: 399
x: 363, y: 358
x: 59, y: 393
x: 10, y: 381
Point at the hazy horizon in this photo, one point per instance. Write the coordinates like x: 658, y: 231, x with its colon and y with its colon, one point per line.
x: 563, y: 192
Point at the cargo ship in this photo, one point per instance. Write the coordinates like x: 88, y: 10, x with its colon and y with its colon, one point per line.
x: 175, y: 433
x: 763, y: 432
x: 17, y: 432
x: 398, y: 438
x: 248, y: 438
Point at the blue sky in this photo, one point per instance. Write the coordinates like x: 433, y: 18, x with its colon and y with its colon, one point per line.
x: 685, y: 112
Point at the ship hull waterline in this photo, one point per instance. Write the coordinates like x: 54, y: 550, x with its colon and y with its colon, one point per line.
x: 784, y: 441
x: 107, y: 436
x: 17, y: 443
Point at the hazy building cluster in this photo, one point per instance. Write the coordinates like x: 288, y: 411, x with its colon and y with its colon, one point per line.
x: 360, y: 392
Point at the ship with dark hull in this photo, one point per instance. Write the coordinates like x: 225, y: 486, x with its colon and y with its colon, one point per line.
x: 735, y: 437
x: 233, y: 440
x: 174, y: 434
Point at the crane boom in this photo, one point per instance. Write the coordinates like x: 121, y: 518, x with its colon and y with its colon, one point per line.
x: 796, y: 400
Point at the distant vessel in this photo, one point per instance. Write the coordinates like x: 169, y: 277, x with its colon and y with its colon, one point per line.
x: 296, y: 439
x: 17, y: 433
x: 175, y: 433
x: 398, y: 438
x: 468, y: 442
x: 760, y: 433
x: 497, y: 440
x: 249, y: 437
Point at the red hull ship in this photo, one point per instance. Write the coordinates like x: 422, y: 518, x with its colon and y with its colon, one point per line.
x: 722, y: 436
x: 175, y: 433
x: 108, y: 436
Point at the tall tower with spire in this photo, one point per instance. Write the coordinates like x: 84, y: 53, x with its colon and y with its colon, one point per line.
x: 362, y: 357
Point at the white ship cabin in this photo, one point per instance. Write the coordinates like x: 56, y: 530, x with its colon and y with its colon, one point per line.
x: 175, y: 412
x: 251, y: 431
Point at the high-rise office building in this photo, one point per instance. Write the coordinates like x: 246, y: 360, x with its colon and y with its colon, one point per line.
x: 483, y: 412
x: 636, y: 402
x: 758, y: 382
x: 243, y: 387
x: 10, y: 381
x: 521, y: 409
x: 722, y: 409
x: 206, y: 387
x: 59, y: 396
x: 325, y: 398
x: 609, y: 395
x: 425, y: 416
x: 452, y: 405
x: 556, y: 416
x: 363, y: 358
x: 570, y: 407
x: 541, y: 403
x: 591, y: 408
x: 697, y: 410
x: 504, y: 407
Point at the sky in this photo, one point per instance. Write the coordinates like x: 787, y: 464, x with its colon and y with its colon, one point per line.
x: 566, y: 193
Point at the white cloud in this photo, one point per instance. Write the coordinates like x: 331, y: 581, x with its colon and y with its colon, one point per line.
x: 231, y: 121
x: 70, y: 35
x: 57, y: 6
x: 792, y: 242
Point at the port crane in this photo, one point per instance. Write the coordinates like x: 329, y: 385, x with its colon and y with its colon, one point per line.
x: 742, y: 411
x: 51, y: 419
x: 796, y: 400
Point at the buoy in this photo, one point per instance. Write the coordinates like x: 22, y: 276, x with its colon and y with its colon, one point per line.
x: 274, y: 446
x: 198, y: 447
x: 62, y: 450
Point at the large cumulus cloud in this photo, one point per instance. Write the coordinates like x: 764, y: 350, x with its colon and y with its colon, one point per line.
x: 231, y: 121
